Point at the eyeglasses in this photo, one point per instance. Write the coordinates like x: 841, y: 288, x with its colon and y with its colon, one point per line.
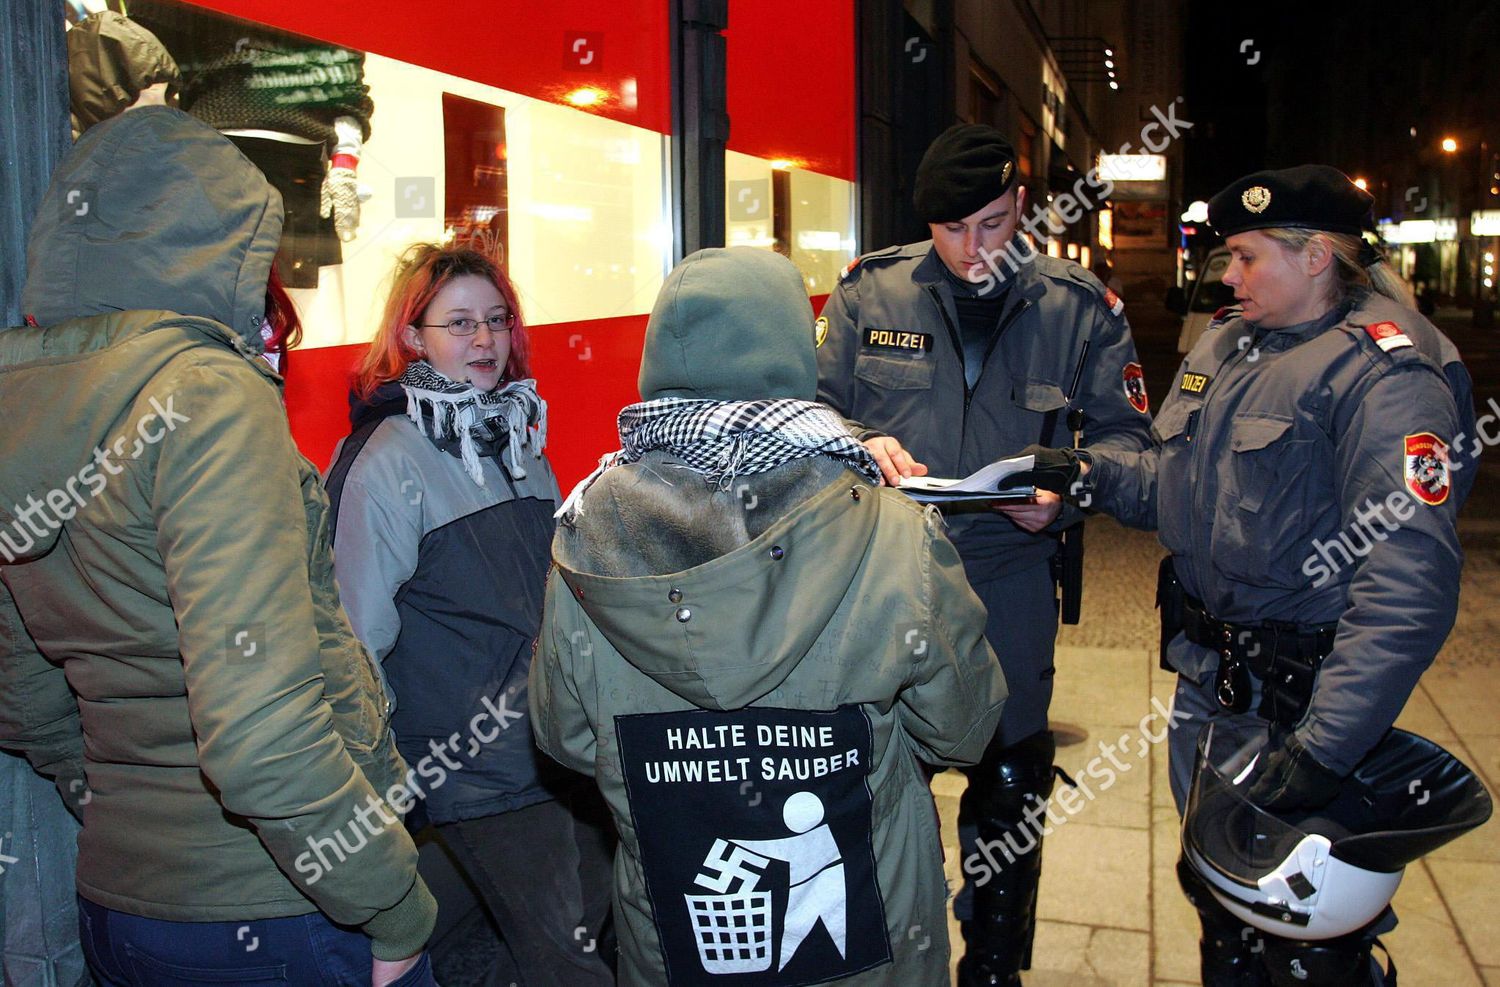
x: 468, y: 327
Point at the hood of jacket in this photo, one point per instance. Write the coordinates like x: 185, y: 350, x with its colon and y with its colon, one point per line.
x: 155, y: 210
x: 731, y: 324
x: 165, y: 246
x: 716, y: 594
x: 111, y: 59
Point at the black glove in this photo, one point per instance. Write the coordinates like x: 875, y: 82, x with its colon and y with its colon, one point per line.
x: 1292, y: 780
x: 1055, y: 470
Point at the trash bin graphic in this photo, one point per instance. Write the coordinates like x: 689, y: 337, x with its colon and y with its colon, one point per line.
x: 733, y: 931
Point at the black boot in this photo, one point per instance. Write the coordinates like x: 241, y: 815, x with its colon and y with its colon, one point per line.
x: 1230, y: 951
x: 1342, y: 962
x: 1006, y: 796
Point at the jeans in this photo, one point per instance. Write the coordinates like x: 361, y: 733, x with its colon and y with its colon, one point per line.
x: 125, y: 950
x: 38, y: 906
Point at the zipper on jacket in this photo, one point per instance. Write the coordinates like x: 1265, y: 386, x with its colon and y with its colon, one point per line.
x: 958, y: 350
x: 1005, y: 322
x: 958, y: 346
x: 953, y: 336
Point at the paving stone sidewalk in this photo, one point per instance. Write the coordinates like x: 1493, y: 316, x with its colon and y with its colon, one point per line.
x: 1111, y: 912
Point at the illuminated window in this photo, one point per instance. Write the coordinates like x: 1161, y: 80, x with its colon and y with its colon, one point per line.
x: 576, y: 201
x: 803, y: 215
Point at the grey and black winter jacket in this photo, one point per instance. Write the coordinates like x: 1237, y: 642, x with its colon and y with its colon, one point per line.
x: 443, y: 581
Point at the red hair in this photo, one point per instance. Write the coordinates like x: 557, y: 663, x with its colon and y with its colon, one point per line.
x: 421, y: 273
x: 281, y: 316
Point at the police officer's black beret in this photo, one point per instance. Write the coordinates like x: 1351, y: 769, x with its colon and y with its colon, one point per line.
x: 1310, y: 197
x: 967, y: 166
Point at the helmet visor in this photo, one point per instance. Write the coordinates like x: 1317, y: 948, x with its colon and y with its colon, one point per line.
x: 1236, y: 838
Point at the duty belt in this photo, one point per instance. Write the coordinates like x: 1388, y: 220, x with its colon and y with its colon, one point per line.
x: 1285, y: 657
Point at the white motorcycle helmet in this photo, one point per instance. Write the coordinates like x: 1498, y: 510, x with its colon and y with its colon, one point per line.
x: 1325, y: 873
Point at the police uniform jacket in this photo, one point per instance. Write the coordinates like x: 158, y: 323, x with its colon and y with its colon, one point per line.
x: 891, y: 360
x: 1296, y: 475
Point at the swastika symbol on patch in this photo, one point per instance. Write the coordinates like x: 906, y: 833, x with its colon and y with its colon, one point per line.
x: 729, y: 863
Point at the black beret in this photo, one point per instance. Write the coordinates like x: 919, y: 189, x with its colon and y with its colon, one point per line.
x: 967, y: 166
x: 1310, y: 197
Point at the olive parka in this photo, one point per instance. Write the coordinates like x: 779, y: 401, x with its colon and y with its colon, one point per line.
x: 172, y: 647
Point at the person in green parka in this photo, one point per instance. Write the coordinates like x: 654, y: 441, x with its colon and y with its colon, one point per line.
x: 752, y: 648
x: 172, y: 648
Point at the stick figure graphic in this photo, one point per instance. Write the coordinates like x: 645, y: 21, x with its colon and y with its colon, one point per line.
x: 816, y: 889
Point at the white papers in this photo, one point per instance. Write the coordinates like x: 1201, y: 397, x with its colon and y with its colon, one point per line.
x: 989, y: 483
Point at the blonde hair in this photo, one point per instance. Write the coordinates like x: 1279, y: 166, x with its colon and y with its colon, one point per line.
x: 1351, y: 275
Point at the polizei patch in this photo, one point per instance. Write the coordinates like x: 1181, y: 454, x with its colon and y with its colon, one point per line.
x: 1425, y: 463
x: 898, y: 339
x: 1194, y: 383
x: 1135, y: 387
x: 754, y: 830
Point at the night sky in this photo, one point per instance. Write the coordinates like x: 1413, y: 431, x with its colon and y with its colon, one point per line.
x: 1277, y: 84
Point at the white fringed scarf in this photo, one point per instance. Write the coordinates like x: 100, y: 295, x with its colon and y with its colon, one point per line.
x: 513, y: 413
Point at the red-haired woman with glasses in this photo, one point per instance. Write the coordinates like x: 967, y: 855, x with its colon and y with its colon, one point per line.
x: 443, y: 504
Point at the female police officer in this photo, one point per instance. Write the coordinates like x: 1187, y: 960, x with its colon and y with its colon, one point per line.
x: 1302, y: 479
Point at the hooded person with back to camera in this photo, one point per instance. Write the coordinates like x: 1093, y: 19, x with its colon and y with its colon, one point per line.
x: 752, y: 647
x: 169, y: 625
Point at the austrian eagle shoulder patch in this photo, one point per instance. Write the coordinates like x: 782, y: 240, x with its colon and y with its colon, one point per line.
x: 1135, y: 387
x: 1425, y: 467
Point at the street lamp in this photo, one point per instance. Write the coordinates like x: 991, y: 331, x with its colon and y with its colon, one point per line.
x: 1450, y: 145
x: 1362, y: 185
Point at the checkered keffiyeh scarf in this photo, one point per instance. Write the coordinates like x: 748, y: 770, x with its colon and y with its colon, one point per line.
x: 726, y: 439
x: 460, y: 411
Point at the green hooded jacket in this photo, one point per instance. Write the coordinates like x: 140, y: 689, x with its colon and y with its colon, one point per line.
x: 754, y: 673
x: 170, y: 624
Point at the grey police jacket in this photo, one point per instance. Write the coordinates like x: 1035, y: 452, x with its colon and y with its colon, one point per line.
x: 890, y: 360
x: 1298, y: 475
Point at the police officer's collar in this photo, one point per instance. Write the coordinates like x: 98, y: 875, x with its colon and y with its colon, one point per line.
x: 964, y: 288
x: 932, y: 270
x: 1288, y: 336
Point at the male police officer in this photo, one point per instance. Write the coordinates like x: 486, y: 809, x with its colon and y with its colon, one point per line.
x: 946, y: 355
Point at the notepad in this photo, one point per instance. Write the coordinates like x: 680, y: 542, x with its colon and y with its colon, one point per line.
x: 994, y: 482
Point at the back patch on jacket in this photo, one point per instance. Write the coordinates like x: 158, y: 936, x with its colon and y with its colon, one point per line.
x: 754, y: 830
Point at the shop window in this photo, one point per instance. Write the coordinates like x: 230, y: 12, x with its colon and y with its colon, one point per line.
x: 1026, y: 132
x: 476, y: 194
x: 805, y: 216
x: 576, y: 201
